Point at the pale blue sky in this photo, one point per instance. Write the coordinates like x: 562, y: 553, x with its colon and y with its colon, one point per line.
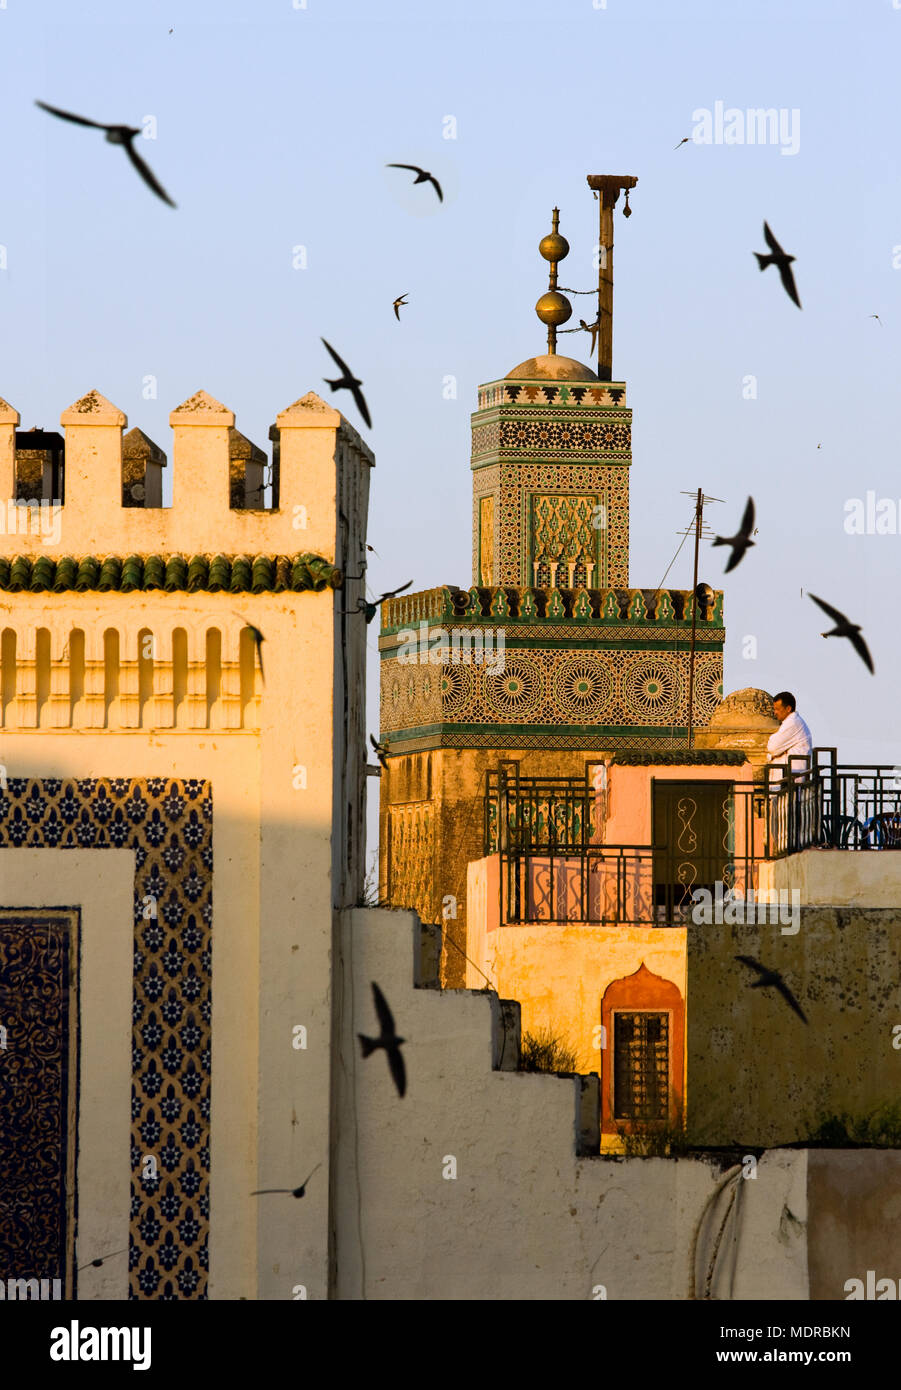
x: 274, y: 125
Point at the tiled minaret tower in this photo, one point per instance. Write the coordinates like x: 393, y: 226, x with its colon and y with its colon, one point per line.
x: 549, y: 659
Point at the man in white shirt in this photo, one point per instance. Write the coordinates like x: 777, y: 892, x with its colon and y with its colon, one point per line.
x: 788, y: 747
x: 792, y: 739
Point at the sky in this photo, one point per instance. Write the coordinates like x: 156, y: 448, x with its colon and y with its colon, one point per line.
x: 273, y: 127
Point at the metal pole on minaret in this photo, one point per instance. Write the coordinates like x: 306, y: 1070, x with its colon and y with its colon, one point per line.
x: 699, y: 515
x: 607, y: 188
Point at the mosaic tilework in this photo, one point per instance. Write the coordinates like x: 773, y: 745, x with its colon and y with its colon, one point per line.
x: 168, y: 822
x: 455, y: 737
x: 646, y: 689
x: 518, y: 483
x: 38, y: 1093
x: 571, y: 394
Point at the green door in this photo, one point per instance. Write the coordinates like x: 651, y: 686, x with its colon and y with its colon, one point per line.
x: 693, y: 840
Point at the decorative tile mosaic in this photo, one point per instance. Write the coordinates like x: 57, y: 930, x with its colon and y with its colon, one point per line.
x: 38, y: 1093
x: 168, y: 822
x: 629, y: 689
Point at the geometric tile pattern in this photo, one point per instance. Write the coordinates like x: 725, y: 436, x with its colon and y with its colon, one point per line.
x: 548, y: 687
x: 169, y: 824
x: 38, y: 1092
x: 523, y: 394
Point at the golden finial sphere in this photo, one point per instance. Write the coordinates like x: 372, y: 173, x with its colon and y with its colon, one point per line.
x: 553, y: 247
x: 553, y: 308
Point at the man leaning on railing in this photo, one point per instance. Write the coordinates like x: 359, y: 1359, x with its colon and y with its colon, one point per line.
x: 790, y: 747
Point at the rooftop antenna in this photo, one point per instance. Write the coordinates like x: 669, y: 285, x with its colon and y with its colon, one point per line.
x: 700, y: 501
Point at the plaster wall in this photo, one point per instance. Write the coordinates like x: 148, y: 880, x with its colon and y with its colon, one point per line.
x: 526, y: 1219
x: 558, y: 972
x: 757, y: 1073
x: 837, y: 878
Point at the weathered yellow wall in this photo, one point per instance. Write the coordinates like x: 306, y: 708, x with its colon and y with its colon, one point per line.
x: 757, y: 1074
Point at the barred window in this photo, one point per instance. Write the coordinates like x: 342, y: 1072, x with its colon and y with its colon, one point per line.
x: 640, y: 1066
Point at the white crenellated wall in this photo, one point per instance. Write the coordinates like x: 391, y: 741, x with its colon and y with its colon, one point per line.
x: 312, y: 439
x: 79, y: 698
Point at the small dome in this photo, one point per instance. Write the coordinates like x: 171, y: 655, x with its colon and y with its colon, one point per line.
x: 551, y: 367
x: 748, y: 708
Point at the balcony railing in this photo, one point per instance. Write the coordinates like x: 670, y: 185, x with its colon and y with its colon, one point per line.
x: 555, y: 865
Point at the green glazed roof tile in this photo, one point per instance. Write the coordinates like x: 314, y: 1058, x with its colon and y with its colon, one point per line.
x: 154, y: 572
x: 176, y: 573
x: 132, y: 574
x: 110, y: 574
x: 200, y: 574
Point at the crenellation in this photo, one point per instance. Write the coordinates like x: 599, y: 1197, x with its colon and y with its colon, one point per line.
x: 97, y: 490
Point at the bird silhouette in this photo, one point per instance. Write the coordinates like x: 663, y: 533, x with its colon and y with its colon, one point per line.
x: 400, y: 303
x: 116, y: 135
x: 291, y: 1191
x: 683, y: 141
x: 782, y: 260
x: 591, y: 328
x: 742, y: 540
x: 844, y: 628
x: 772, y: 978
x: 95, y: 1264
x: 387, y: 1039
x: 348, y: 382
x: 877, y: 318
x: 380, y: 751
x: 422, y: 176
x: 259, y: 639
x: 370, y: 609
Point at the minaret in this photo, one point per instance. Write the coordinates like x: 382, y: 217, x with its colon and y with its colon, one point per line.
x: 549, y: 662
x: 551, y: 451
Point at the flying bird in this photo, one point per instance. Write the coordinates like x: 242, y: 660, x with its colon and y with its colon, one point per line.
x: 422, y: 176
x: 772, y: 978
x: 95, y: 1264
x: 591, y: 328
x: 117, y: 135
x: 399, y: 304
x: 844, y: 628
x: 259, y: 639
x: 742, y: 540
x: 348, y: 382
x: 387, y: 1039
x: 683, y: 141
x: 380, y: 751
x: 292, y: 1191
x: 370, y: 609
x: 877, y: 318
x: 780, y: 259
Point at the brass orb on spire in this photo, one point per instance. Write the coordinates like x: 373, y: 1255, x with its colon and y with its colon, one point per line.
x: 553, y: 247
x: 553, y: 308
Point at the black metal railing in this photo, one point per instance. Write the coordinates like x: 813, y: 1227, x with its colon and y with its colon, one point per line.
x: 555, y: 865
x: 819, y: 803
